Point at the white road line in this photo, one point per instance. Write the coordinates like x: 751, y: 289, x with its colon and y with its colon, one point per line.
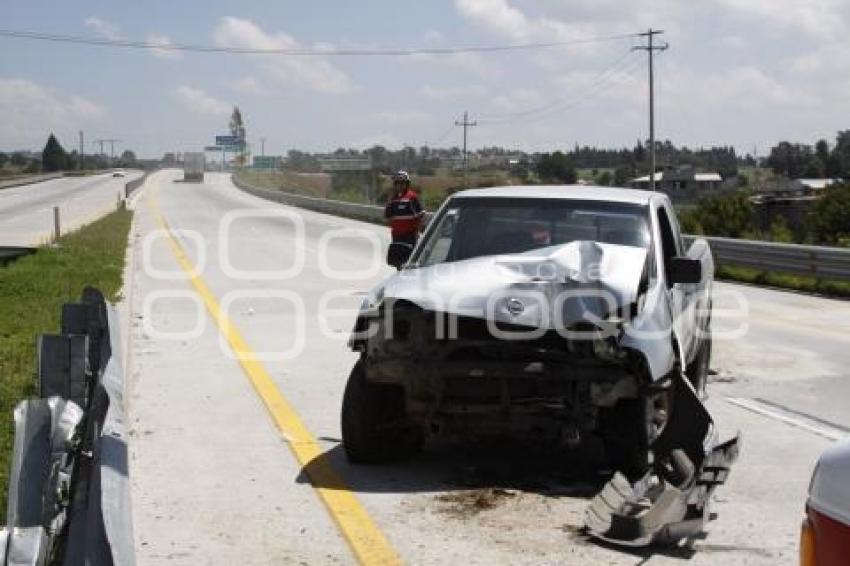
x: 795, y: 421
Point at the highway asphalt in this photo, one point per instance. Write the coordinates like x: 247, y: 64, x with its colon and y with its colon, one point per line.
x: 236, y: 461
x: 26, y: 211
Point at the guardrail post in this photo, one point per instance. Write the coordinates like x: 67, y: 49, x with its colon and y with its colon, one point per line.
x: 56, y: 231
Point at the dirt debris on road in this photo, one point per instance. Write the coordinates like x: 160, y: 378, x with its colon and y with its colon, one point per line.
x: 465, y: 504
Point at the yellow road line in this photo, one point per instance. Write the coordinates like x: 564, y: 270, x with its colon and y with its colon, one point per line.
x: 370, y: 546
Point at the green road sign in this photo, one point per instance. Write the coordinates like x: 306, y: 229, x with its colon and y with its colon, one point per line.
x: 267, y: 162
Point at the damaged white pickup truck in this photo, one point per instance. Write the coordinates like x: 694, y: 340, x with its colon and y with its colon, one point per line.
x: 568, y: 313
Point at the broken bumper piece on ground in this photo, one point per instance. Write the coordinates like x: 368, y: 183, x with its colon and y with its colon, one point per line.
x: 672, y: 501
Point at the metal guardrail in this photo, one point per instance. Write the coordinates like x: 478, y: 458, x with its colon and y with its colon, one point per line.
x: 69, y: 492
x: 813, y: 261
x: 357, y: 211
x: 821, y: 262
x: 131, y: 186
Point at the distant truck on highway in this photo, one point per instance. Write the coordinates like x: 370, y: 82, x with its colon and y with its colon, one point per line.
x: 194, y: 164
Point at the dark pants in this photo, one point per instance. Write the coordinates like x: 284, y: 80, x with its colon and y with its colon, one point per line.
x: 400, y: 249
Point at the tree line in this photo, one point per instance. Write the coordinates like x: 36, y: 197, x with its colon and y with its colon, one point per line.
x: 54, y: 158
x: 799, y: 160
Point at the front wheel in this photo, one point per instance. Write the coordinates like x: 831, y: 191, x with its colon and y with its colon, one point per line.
x: 624, y: 429
x: 375, y: 429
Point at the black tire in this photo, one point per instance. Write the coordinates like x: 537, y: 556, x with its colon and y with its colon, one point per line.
x: 624, y: 429
x: 374, y: 424
x: 697, y: 370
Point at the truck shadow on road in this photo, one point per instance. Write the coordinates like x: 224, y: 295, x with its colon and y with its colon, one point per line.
x: 467, y: 478
x: 452, y: 466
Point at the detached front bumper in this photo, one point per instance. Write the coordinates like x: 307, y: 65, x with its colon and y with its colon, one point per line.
x: 672, y: 501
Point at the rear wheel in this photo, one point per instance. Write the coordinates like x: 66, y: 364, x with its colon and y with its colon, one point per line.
x: 375, y: 428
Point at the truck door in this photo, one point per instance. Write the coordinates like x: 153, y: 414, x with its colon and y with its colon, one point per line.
x: 681, y: 298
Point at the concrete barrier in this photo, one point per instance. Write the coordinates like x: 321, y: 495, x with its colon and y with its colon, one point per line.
x: 28, y: 180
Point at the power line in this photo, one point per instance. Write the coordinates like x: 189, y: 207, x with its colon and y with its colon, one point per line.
x: 562, y: 105
x: 489, y: 118
x: 302, y: 51
x: 442, y: 136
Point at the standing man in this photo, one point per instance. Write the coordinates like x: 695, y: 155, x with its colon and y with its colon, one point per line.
x: 404, y: 214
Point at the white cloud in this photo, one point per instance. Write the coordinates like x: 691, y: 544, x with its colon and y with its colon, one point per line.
x: 471, y: 63
x: 199, y: 102
x: 517, y: 100
x: 733, y: 90
x: 310, y: 72
x: 104, y: 28
x: 249, y: 85
x: 821, y: 19
x: 502, y: 19
x: 161, y: 39
x: 400, y: 117
x: 452, y: 92
x: 30, y: 111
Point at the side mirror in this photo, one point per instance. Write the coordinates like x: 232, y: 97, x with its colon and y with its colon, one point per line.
x: 399, y: 253
x: 685, y: 270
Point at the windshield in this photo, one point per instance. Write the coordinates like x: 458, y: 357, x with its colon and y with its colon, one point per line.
x: 474, y: 227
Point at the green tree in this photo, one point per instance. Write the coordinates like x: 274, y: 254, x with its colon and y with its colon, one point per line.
x: 604, y: 178
x: 732, y: 216
x: 53, y: 156
x: 556, y: 168
x: 828, y: 221
x: 622, y: 176
x: 779, y: 230
x: 840, y: 156
x: 237, y: 130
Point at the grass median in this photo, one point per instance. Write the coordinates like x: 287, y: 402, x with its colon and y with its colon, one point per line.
x: 827, y: 287
x: 32, y: 291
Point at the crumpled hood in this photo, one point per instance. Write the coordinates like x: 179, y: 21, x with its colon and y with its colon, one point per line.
x: 552, y: 287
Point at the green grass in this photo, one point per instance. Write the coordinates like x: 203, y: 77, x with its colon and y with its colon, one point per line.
x: 784, y: 281
x: 314, y: 185
x: 32, y: 291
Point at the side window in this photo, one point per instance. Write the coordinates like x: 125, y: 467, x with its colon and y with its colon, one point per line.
x: 668, y: 242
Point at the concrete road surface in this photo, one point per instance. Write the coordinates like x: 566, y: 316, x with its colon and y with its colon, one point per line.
x: 216, y: 444
x: 26, y: 212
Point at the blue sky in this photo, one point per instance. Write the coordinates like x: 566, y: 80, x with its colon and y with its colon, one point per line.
x: 743, y: 73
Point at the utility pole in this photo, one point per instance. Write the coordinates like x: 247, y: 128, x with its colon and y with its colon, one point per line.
x: 82, y: 152
x: 111, y: 143
x: 466, y: 124
x: 112, y: 151
x: 650, y: 49
x: 262, y: 147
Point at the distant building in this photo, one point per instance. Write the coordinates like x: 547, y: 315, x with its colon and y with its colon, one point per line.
x: 817, y: 184
x: 785, y: 189
x: 679, y: 180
